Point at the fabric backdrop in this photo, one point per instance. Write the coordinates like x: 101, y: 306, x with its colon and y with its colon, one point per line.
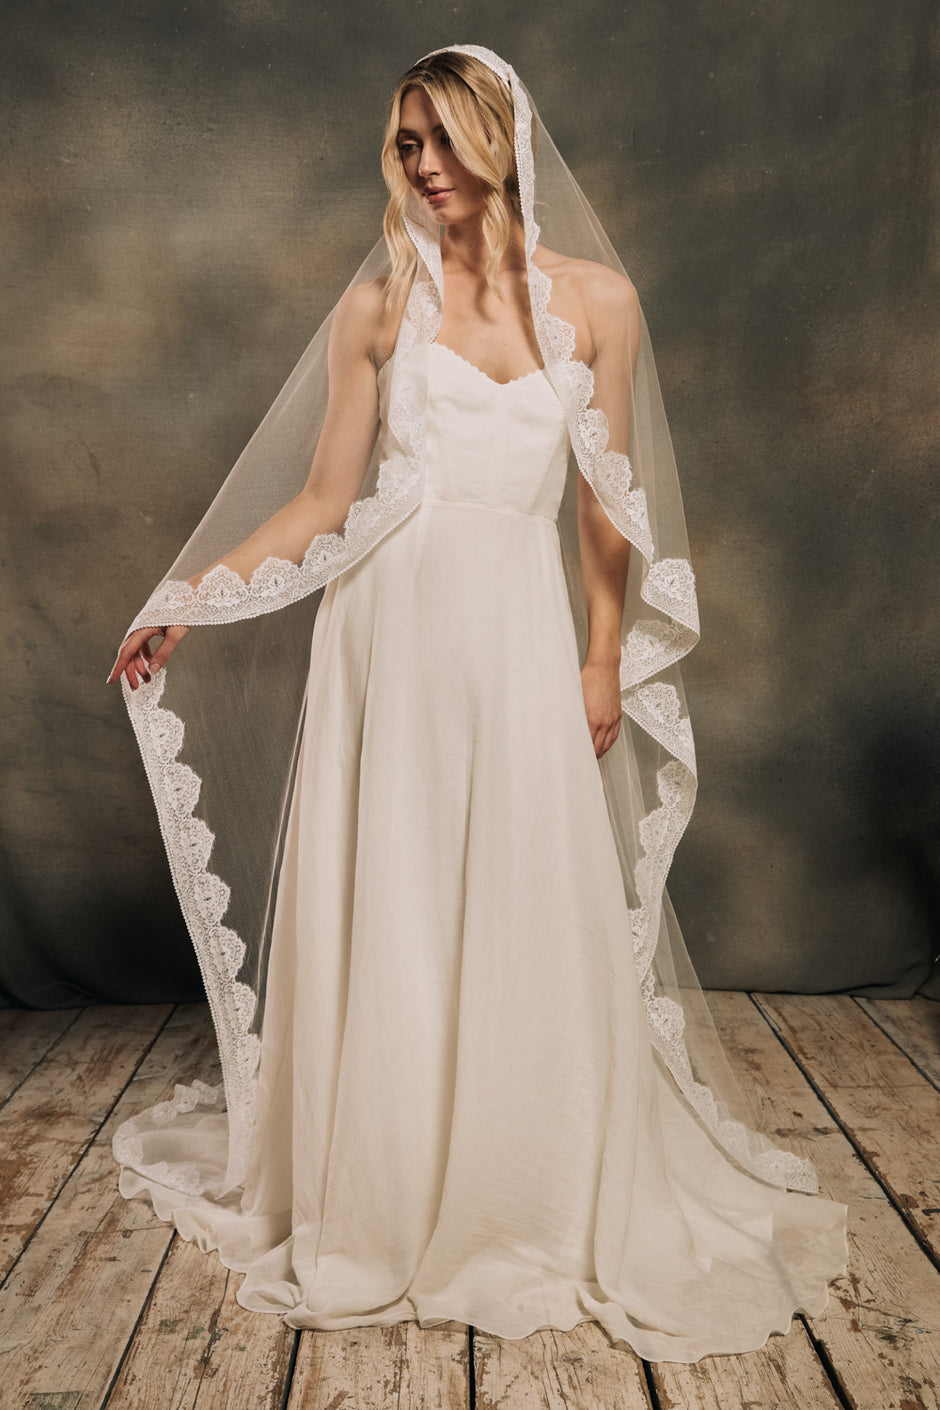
x: 176, y: 181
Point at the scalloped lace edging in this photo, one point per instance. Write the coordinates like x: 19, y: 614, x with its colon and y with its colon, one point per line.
x: 224, y: 596
x: 127, y: 1142
x: 660, y: 832
x: 202, y: 895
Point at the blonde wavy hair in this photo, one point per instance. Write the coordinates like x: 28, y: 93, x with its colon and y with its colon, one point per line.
x: 475, y: 108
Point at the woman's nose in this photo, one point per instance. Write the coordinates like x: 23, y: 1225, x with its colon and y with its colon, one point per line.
x: 429, y: 164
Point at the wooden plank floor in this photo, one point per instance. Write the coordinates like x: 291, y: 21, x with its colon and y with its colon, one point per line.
x: 102, y: 1305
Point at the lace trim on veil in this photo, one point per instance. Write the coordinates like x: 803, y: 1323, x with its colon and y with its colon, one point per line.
x: 653, y: 645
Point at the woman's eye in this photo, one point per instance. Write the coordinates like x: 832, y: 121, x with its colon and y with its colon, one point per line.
x: 408, y: 149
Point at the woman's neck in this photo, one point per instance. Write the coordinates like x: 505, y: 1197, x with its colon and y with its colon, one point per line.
x: 464, y: 248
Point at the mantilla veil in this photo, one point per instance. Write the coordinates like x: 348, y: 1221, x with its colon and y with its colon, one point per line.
x: 218, y: 727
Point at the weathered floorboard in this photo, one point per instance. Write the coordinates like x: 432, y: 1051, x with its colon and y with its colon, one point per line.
x: 26, y: 1035
x: 881, y: 1330
x: 914, y: 1024
x: 51, y: 1117
x: 373, y: 1368
x: 556, y: 1370
x: 888, y: 1107
x: 69, y: 1307
x: 196, y: 1341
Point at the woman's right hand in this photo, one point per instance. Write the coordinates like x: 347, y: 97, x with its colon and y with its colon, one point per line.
x: 137, y: 661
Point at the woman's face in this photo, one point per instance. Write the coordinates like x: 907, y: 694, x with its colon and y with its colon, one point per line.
x: 432, y: 169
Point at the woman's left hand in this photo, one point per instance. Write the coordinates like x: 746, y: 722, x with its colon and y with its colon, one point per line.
x: 600, y: 686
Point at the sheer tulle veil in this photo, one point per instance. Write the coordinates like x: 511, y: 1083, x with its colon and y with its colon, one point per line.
x: 218, y: 728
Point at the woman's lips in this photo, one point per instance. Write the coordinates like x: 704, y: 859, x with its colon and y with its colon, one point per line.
x: 436, y: 198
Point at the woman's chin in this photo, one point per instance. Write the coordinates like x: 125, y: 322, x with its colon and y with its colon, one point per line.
x: 456, y: 213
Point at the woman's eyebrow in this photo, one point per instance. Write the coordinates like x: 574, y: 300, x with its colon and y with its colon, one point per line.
x: 407, y: 131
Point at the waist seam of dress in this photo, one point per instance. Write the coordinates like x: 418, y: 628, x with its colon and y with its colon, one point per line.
x: 493, y: 508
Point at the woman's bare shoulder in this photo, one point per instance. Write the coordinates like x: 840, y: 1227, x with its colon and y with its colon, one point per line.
x: 364, y: 320
x: 363, y: 305
x: 597, y: 284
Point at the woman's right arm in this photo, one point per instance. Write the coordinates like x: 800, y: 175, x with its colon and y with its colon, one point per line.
x: 343, y: 452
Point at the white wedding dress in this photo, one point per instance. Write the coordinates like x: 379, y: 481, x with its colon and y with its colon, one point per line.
x: 461, y: 1114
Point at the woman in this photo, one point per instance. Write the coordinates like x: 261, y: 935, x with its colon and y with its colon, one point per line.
x: 468, y: 1072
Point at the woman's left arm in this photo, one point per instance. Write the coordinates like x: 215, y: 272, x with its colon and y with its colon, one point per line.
x: 613, y: 312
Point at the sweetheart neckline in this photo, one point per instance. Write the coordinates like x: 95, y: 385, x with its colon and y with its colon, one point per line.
x: 513, y: 381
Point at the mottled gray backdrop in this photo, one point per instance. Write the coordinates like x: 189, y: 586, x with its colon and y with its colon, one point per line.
x: 186, y: 190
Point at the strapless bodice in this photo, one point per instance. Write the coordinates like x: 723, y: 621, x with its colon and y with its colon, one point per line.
x: 501, y: 444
